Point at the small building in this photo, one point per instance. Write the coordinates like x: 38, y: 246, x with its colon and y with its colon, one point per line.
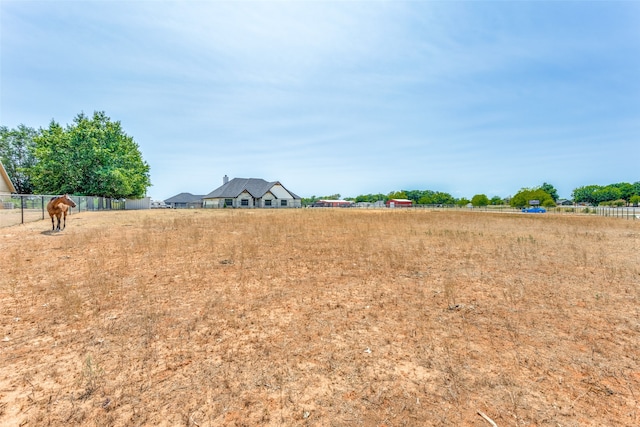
x: 184, y: 201
x: 399, y: 203
x: 251, y: 193
x: 6, y: 186
x: 332, y: 204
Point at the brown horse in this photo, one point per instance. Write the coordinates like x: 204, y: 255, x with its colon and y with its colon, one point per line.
x: 58, y: 206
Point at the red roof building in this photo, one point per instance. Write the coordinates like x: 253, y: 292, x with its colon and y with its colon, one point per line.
x: 399, y: 203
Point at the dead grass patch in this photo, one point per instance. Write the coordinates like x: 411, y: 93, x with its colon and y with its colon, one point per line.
x: 320, y: 317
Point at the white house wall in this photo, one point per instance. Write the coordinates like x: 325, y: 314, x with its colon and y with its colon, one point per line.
x: 282, y: 194
x: 213, y: 203
x: 272, y: 198
x: 4, y: 188
x: 218, y: 203
x: 279, y: 191
x: 243, y: 196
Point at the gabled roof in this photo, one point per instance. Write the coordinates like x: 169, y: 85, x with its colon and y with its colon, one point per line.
x: 257, y: 187
x: 6, y: 179
x: 184, y: 198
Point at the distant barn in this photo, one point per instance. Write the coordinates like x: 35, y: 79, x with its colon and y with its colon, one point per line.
x: 399, y: 203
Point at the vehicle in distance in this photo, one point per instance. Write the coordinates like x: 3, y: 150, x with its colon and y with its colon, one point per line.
x: 534, y: 210
x: 159, y: 204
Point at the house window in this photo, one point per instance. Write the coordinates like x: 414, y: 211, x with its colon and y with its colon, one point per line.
x: 228, y: 202
x: 283, y: 202
x: 244, y: 202
x: 267, y: 202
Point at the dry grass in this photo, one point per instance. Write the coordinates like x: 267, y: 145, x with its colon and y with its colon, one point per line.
x: 322, y: 318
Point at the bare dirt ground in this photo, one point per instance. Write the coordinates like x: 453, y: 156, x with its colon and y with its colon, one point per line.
x: 322, y: 318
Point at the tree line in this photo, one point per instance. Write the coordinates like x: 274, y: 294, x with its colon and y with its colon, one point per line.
x: 621, y: 194
x: 92, y: 156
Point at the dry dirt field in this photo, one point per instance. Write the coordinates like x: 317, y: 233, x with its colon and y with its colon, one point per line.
x: 320, y: 317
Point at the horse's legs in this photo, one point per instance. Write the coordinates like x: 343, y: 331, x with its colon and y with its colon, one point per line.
x: 58, y: 216
x: 64, y: 224
x: 53, y: 225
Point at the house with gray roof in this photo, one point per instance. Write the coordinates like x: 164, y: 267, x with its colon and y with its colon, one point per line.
x: 251, y: 193
x: 184, y: 201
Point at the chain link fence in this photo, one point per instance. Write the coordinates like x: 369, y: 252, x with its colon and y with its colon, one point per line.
x: 23, y: 208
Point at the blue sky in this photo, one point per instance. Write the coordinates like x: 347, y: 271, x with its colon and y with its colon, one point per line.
x: 348, y: 97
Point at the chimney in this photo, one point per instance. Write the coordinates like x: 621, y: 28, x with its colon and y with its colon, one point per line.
x: 225, y: 179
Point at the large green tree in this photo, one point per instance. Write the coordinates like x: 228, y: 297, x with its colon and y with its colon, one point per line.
x: 397, y: 195
x: 596, y: 194
x: 585, y: 194
x: 525, y: 195
x: 480, y: 200
x: 551, y: 190
x: 371, y: 198
x: 92, y: 156
x: 429, y: 197
x: 16, y: 153
x: 441, y: 198
x: 626, y: 190
x: 496, y: 200
x: 416, y: 195
x: 462, y: 202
